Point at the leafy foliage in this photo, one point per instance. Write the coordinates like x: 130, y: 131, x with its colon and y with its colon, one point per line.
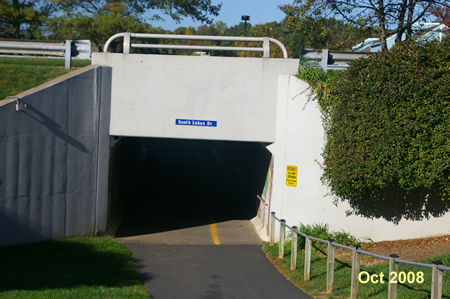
x: 269, y: 29
x: 321, y: 231
x: 310, y: 31
x: 313, y: 74
x: 387, y: 16
x: 442, y: 13
x: 387, y: 150
x: 99, y: 19
x: 23, y: 18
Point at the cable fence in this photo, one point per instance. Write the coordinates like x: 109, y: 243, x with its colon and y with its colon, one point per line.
x: 436, y: 267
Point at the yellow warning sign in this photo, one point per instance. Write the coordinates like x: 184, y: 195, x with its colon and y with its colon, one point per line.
x: 291, y: 176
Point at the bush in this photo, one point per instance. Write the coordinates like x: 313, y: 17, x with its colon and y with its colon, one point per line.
x: 313, y: 74
x: 321, y: 231
x: 387, y: 117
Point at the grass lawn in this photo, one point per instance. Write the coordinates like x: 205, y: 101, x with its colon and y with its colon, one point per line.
x: 17, y: 75
x: 342, y: 274
x: 69, y: 268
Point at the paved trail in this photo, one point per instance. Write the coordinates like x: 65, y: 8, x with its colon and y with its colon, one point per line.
x: 186, y: 222
x: 187, y: 263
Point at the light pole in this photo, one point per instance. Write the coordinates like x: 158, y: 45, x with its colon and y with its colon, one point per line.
x: 245, y: 19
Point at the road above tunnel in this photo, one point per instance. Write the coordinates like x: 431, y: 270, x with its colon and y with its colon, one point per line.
x: 218, y: 260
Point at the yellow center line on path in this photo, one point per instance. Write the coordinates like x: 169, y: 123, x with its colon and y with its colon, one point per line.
x: 214, y: 234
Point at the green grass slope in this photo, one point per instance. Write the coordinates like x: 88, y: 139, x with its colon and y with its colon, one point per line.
x: 316, y: 286
x: 17, y: 75
x: 69, y: 268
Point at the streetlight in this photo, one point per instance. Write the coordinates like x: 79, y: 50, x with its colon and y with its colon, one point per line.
x: 245, y: 19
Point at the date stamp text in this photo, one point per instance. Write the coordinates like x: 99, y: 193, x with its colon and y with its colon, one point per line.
x: 394, y: 277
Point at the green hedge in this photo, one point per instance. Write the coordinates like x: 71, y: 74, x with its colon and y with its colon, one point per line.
x: 387, y: 127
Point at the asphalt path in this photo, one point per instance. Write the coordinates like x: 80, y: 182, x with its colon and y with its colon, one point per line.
x: 187, y: 219
x: 187, y: 264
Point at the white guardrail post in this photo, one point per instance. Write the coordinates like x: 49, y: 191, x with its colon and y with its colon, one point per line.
x: 282, y: 236
x: 68, y: 54
x: 324, y: 60
x: 266, y: 47
x: 126, y: 43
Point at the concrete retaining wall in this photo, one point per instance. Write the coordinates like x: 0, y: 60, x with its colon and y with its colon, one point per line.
x: 299, y: 141
x: 55, y: 154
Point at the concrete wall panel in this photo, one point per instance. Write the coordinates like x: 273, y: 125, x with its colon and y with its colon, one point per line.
x: 149, y: 92
x: 50, y: 150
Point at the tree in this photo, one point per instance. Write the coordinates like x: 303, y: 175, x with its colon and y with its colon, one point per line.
x: 98, y: 27
x: 217, y: 28
x: 23, y: 18
x: 442, y: 13
x: 177, y: 9
x: 269, y: 29
x: 98, y: 19
x: 319, y: 32
x: 237, y: 30
x: 388, y: 16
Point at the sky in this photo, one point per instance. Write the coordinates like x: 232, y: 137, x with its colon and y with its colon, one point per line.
x: 260, y: 11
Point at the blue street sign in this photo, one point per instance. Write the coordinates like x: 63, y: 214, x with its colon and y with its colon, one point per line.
x: 195, y: 122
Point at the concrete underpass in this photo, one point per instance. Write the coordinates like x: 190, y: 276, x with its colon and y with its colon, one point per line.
x: 182, y: 207
x: 159, y: 185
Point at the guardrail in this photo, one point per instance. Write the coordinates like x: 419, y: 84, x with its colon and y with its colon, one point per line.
x: 330, y: 59
x: 394, y: 261
x: 67, y: 50
x: 127, y: 45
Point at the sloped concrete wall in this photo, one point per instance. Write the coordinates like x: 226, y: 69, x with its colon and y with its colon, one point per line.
x: 299, y: 142
x: 237, y: 95
x: 54, y: 159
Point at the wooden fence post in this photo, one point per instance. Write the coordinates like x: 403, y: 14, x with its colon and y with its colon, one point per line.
x: 282, y: 235
x: 436, y: 281
x: 272, y: 228
x: 307, y: 271
x: 294, y: 248
x: 355, y: 273
x: 393, y: 267
x: 330, y: 266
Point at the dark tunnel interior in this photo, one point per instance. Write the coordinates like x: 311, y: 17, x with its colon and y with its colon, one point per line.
x: 158, y: 184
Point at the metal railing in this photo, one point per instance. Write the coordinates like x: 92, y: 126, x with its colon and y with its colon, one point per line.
x: 67, y: 50
x: 127, y: 45
x: 330, y: 59
x: 437, y: 267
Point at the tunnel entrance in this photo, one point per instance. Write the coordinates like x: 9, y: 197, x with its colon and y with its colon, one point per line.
x: 159, y: 184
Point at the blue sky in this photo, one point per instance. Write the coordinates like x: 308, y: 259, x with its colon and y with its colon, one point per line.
x: 260, y: 11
